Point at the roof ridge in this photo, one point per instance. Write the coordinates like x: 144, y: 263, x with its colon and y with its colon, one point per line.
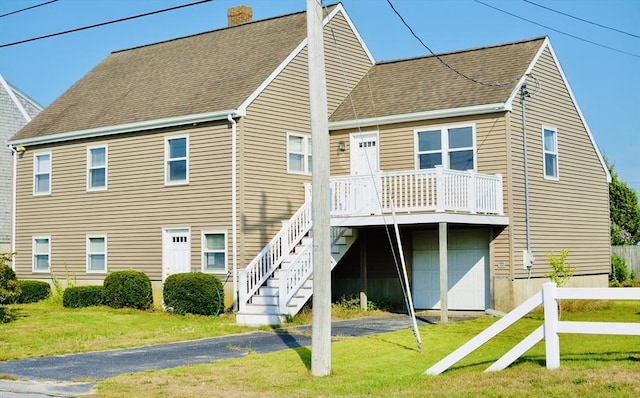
x: 208, y: 32
x: 470, y: 49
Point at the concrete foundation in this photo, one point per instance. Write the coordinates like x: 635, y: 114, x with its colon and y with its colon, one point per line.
x: 511, y: 293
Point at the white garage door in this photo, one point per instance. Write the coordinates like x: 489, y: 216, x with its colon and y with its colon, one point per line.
x: 468, y: 261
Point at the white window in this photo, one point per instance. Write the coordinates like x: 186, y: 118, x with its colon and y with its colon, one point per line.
x: 96, y: 168
x: 96, y: 254
x: 42, y: 173
x: 550, y: 147
x: 449, y: 147
x: 214, y: 252
x: 41, y: 249
x: 176, y: 160
x: 299, y: 153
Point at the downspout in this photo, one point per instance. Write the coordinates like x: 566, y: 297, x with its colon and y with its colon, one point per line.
x: 14, y: 154
x: 528, y: 255
x: 234, y: 213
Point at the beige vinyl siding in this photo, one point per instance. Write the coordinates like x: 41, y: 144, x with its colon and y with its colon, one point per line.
x: 134, y: 208
x: 397, y: 152
x: 573, y: 212
x: 270, y: 194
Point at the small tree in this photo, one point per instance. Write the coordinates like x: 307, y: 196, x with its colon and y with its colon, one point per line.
x: 624, y: 211
x: 561, y: 271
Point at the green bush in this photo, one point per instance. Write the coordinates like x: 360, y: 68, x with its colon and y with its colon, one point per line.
x: 619, y: 272
x: 9, y: 287
x: 33, y: 291
x: 130, y: 289
x: 82, y: 296
x: 7, y: 315
x: 193, y: 293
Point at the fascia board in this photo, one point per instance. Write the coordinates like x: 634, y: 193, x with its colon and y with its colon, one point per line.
x: 242, y: 109
x: 516, y: 88
x: 127, y: 128
x: 575, y: 103
x: 14, y: 99
x: 417, y: 116
x: 340, y: 8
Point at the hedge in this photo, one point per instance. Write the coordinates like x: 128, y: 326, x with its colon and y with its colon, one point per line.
x: 130, y: 289
x: 33, y: 291
x: 82, y: 296
x: 193, y: 293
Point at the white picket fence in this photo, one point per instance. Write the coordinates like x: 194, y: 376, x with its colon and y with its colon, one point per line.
x: 548, y: 297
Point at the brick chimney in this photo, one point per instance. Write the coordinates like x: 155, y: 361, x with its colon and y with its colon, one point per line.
x: 239, y: 15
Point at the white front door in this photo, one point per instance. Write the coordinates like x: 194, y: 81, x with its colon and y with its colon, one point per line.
x: 364, y: 153
x: 467, y: 257
x: 176, y: 251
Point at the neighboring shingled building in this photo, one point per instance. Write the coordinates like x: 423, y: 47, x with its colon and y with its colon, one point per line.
x: 16, y: 110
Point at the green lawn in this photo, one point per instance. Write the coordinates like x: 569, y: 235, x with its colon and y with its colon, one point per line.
x: 387, y: 365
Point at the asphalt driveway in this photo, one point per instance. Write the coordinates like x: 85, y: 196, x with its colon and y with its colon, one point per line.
x: 54, y: 376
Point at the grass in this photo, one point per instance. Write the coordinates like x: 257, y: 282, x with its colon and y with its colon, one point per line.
x: 389, y: 365
x: 47, y: 328
x: 379, y: 365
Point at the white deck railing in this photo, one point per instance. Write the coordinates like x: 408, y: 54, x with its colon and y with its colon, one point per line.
x: 437, y: 190
x: 548, y: 297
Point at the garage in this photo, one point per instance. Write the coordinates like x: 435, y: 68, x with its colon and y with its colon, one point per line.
x: 468, y: 270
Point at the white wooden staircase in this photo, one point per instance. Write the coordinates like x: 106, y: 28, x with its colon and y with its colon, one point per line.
x: 279, y: 280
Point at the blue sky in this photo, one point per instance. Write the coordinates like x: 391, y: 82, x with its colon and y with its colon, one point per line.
x: 606, y: 83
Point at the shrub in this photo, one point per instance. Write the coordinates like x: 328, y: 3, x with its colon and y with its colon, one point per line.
x: 9, y: 287
x: 82, y: 296
x: 7, y: 315
x: 619, y: 272
x: 193, y: 293
x: 130, y: 289
x: 561, y: 270
x: 33, y: 291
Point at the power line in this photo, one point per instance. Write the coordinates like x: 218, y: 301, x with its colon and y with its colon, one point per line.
x: 509, y: 83
x: 104, y: 23
x: 580, y: 19
x: 556, y: 30
x: 28, y: 8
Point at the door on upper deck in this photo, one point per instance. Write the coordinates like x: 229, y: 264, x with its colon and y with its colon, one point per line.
x: 364, y: 153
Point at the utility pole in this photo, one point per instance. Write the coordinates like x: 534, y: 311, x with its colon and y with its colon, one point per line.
x: 321, y: 321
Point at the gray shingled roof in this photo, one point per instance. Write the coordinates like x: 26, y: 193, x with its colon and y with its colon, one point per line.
x: 425, y: 84
x: 208, y: 72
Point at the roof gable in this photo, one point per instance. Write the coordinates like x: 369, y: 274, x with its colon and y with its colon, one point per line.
x: 547, y: 45
x: 21, y: 103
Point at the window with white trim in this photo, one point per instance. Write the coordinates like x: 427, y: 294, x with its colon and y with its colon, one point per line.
x: 42, y: 173
x: 41, y: 249
x: 96, y: 168
x: 299, y: 153
x: 176, y: 160
x: 550, y: 148
x: 96, y: 254
x: 450, y: 147
x: 214, y: 252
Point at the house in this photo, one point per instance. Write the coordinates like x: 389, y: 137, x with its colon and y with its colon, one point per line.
x: 16, y: 110
x: 194, y: 154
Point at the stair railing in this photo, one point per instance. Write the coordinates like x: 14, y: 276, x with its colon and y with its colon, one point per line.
x: 271, y: 256
x: 300, y: 270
